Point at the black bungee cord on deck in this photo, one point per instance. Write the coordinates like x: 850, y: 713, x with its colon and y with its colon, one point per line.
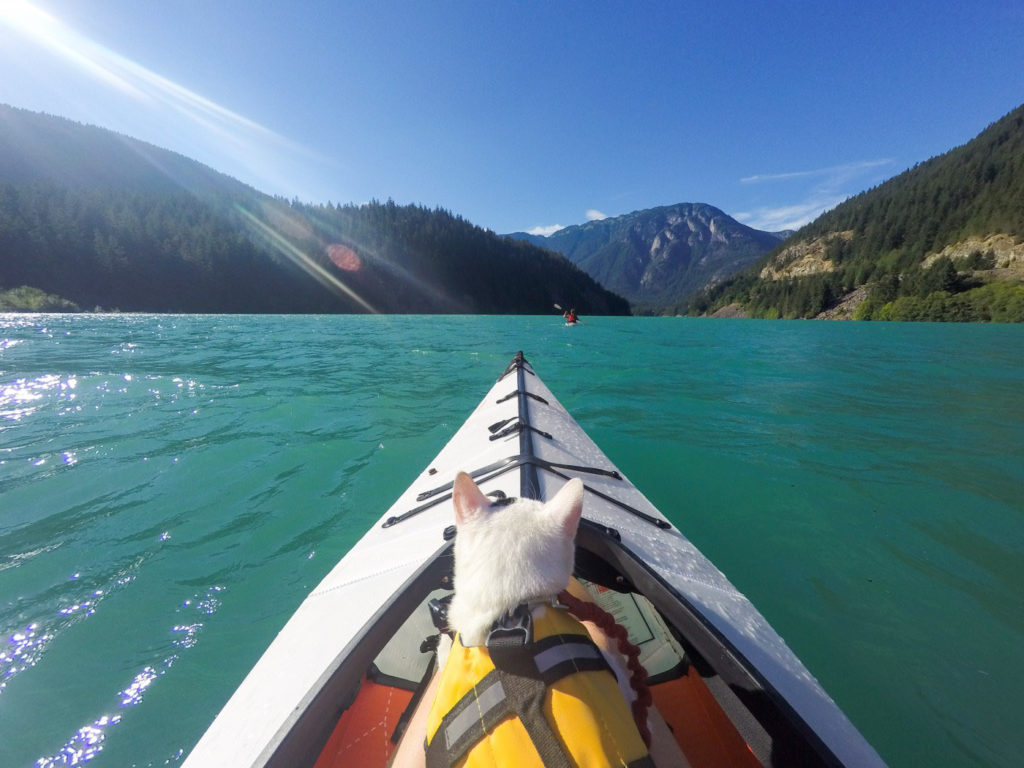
x: 526, y: 458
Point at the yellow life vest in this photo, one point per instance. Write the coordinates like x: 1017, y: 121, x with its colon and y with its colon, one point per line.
x: 550, y: 702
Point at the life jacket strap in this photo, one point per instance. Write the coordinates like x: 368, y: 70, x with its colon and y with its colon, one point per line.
x: 516, y: 686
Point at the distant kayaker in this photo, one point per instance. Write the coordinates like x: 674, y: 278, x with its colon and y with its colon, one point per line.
x: 570, y: 316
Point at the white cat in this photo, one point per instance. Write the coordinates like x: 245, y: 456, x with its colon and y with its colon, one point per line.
x: 486, y: 701
x: 510, y: 554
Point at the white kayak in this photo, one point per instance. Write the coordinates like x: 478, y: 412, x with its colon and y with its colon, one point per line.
x: 340, y: 681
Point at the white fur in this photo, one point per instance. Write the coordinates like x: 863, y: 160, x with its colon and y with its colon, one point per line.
x: 507, y: 555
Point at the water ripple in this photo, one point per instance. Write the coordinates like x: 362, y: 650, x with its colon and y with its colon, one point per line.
x: 26, y: 647
x: 88, y: 741
x: 187, y: 451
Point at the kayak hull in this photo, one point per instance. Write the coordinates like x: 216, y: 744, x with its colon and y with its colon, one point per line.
x: 521, y: 442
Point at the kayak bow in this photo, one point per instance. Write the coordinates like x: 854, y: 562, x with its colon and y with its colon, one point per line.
x: 726, y: 683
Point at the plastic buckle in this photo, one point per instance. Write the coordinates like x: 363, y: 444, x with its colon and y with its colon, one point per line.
x: 439, y: 612
x: 512, y: 630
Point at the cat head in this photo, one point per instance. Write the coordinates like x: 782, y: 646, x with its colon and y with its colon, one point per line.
x: 509, y: 554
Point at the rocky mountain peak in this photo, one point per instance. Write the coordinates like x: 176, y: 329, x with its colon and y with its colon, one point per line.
x: 659, y: 256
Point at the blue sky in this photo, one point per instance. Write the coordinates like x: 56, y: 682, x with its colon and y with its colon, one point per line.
x: 531, y: 115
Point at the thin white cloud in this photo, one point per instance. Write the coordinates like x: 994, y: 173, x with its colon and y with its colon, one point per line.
x: 776, y: 219
x: 762, y: 177
x: 828, y: 187
x: 833, y: 172
x: 595, y: 215
x: 545, y: 231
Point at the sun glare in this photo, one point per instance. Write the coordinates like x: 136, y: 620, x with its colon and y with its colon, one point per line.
x: 26, y: 17
x: 163, y: 101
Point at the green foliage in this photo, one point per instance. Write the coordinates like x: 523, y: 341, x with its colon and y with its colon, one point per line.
x: 434, y: 261
x: 999, y: 302
x: 979, y: 260
x: 107, y: 221
x: 27, y: 299
x: 866, y: 309
x: 939, y: 277
x: 972, y: 191
x: 886, y: 289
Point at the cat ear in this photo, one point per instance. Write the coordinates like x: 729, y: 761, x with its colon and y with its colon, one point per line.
x: 468, y: 500
x: 567, y: 506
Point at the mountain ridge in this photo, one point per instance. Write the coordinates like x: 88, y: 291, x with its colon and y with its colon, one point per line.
x: 944, y: 240
x: 96, y: 219
x: 657, y: 257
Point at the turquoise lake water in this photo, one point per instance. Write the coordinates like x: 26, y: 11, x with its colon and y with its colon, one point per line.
x: 171, y: 487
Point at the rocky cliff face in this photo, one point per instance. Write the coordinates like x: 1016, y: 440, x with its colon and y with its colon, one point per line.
x: 658, y: 257
x: 803, y: 257
x: 1007, y: 251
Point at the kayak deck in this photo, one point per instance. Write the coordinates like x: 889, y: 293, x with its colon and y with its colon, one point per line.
x: 346, y: 669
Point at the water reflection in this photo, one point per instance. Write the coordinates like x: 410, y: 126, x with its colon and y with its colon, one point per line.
x: 86, y: 744
x: 16, y: 396
x: 23, y: 650
x: 87, y: 741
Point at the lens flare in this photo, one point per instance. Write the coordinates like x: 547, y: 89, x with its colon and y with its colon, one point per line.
x: 303, y: 260
x: 344, y: 257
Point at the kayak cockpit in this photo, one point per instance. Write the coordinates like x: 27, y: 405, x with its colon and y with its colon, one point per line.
x: 718, y: 714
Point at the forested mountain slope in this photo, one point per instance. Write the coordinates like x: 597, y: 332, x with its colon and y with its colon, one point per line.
x: 941, y: 241
x: 96, y: 219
